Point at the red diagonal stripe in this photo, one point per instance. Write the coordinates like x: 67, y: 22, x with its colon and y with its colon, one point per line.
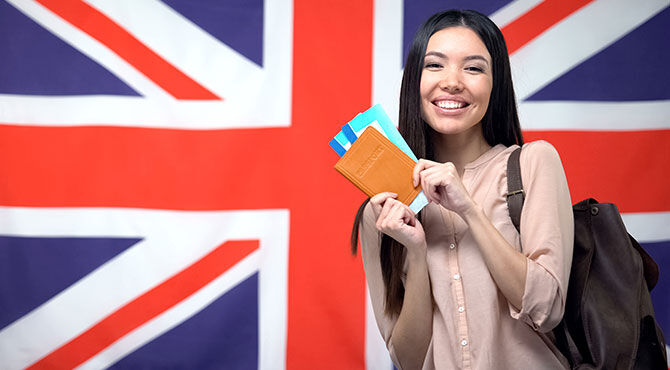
x: 537, y: 20
x: 145, y: 60
x: 147, y: 306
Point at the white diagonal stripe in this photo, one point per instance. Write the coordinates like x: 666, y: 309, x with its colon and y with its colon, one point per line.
x: 508, y: 13
x: 588, y: 115
x: 183, y: 44
x: 172, y: 241
x: 216, y: 66
x: 243, y: 86
x: 575, y: 39
x: 91, y: 48
x: 175, y: 315
x: 272, y: 325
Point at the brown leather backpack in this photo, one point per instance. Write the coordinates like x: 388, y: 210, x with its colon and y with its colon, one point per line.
x: 609, y: 320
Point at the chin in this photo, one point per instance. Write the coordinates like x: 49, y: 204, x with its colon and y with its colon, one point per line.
x: 450, y: 128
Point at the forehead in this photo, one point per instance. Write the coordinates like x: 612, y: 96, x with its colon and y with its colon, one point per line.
x: 457, y: 41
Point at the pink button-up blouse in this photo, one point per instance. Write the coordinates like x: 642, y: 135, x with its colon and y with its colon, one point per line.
x: 474, y: 327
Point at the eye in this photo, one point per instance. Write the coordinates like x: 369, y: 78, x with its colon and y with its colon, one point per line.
x: 432, y: 66
x: 474, y: 69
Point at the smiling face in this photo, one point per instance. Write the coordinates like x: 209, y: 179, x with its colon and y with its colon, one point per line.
x: 456, y: 81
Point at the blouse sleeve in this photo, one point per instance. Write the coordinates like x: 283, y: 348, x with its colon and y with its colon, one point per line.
x: 370, y: 239
x: 547, y: 234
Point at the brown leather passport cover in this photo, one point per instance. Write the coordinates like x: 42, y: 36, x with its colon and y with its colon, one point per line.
x: 374, y: 164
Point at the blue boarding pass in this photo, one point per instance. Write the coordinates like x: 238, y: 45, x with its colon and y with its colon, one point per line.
x: 379, y: 120
x: 340, y: 144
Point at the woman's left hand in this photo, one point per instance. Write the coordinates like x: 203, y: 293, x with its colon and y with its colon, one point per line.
x: 442, y: 185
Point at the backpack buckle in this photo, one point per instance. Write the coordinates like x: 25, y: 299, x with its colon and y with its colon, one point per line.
x: 515, y: 192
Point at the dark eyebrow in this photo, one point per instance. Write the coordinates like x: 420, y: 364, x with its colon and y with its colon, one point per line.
x: 468, y: 58
x: 435, y: 53
x: 477, y: 57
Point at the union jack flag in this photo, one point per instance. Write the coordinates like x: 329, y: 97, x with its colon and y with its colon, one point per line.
x: 166, y: 191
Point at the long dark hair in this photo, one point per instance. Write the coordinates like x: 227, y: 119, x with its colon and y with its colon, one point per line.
x: 500, y: 124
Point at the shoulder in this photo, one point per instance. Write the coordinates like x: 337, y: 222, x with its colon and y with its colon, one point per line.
x: 539, y: 157
x: 539, y: 150
x: 536, y: 155
x: 541, y: 167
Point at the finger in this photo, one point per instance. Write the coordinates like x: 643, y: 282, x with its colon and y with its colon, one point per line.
x: 421, y: 165
x: 411, y: 221
x: 381, y: 197
x: 409, y: 217
x: 447, y: 178
x: 384, y: 221
x: 451, y: 167
x: 416, y: 172
x: 386, y: 208
x: 426, y: 175
x: 437, y: 178
x: 408, y: 210
x: 441, y: 169
x: 402, y: 211
x: 435, y: 191
x: 396, y: 216
x: 428, y: 189
x: 378, y: 201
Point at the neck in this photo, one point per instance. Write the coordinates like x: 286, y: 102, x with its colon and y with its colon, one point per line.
x: 459, y: 149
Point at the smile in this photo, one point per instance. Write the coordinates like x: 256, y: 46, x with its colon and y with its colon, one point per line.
x: 450, y: 104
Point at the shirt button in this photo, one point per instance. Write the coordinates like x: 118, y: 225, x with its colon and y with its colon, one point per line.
x: 457, y: 276
x: 452, y: 246
x: 464, y: 342
x: 461, y: 309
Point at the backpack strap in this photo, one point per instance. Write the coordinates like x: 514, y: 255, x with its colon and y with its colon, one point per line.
x: 515, y: 193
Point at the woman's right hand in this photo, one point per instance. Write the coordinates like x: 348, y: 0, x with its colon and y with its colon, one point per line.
x: 396, y: 220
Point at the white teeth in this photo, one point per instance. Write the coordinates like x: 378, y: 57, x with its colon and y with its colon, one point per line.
x: 449, y: 104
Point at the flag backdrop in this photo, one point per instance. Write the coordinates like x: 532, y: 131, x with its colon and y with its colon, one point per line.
x: 167, y: 197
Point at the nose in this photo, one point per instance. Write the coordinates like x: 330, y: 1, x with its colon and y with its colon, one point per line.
x: 451, y: 81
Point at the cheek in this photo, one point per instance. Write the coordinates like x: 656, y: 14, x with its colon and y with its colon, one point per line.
x: 423, y: 107
x: 487, y: 97
x: 429, y: 83
x: 424, y: 90
x: 484, y: 93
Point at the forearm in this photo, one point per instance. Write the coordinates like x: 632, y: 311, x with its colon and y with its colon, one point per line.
x: 413, y: 330
x: 506, y: 265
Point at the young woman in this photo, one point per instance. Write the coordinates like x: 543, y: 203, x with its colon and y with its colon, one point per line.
x: 458, y: 286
